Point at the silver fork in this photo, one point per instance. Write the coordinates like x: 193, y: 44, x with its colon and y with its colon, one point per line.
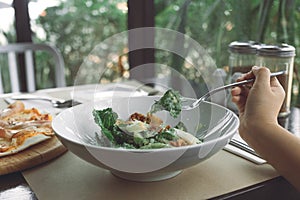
x: 218, y: 89
x: 56, y: 102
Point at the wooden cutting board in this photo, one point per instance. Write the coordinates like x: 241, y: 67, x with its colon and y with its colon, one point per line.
x: 32, y: 156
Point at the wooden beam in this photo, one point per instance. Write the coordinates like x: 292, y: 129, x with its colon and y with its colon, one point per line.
x: 141, y: 14
x: 23, y: 33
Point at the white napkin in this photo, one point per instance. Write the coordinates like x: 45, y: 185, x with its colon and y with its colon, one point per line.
x: 242, y: 153
x: 100, y: 92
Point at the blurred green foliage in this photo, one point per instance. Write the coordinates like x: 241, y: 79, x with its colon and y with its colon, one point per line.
x: 215, y: 24
x: 76, y: 26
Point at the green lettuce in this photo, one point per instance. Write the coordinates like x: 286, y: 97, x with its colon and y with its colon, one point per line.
x: 117, y: 134
x: 170, y: 101
x: 106, y: 119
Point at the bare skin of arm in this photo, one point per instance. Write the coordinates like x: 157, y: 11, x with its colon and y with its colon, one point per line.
x: 259, y: 106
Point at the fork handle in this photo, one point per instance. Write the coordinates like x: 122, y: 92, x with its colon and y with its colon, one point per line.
x: 34, y: 97
x: 239, y: 83
x: 208, y: 94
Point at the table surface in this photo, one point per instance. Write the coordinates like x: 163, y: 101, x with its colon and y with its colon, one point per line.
x: 223, y: 176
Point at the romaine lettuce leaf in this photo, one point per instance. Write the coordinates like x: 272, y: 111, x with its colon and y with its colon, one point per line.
x: 106, y: 119
x: 170, y: 101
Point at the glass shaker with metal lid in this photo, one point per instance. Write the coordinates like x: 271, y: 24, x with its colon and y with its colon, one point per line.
x: 279, y: 58
x: 242, y: 56
x: 241, y: 59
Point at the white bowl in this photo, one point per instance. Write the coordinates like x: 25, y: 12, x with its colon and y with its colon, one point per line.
x: 76, y: 129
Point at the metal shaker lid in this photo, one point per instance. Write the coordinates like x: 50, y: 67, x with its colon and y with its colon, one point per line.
x: 283, y: 50
x: 243, y: 47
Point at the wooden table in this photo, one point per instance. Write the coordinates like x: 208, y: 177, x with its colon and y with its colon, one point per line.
x: 223, y: 176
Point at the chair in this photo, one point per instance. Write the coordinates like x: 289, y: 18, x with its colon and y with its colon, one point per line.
x: 29, y: 50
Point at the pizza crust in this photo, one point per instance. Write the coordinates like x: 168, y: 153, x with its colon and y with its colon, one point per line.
x: 26, y: 144
x: 32, y: 127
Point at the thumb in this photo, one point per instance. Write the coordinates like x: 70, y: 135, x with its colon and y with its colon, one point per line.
x: 262, y: 76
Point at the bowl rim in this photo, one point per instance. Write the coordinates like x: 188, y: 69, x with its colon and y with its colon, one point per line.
x: 230, y: 133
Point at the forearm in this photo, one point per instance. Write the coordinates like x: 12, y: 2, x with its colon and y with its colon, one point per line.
x: 280, y: 148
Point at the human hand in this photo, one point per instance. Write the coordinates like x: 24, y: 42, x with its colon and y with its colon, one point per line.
x: 259, y: 106
x: 260, y: 103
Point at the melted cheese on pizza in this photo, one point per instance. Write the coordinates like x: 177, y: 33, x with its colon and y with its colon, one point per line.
x: 18, y: 124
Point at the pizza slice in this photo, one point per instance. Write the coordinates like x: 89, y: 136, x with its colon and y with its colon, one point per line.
x: 21, y: 128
